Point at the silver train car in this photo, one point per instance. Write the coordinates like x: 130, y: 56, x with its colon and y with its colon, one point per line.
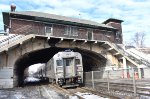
x: 65, y: 69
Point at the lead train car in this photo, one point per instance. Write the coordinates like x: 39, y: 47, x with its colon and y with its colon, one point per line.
x: 65, y: 69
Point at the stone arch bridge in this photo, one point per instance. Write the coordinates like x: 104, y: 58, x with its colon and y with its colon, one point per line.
x: 17, y: 55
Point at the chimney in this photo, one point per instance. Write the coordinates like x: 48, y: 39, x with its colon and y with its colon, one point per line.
x: 13, y: 8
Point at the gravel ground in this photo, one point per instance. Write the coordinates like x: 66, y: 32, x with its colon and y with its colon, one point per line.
x: 31, y: 92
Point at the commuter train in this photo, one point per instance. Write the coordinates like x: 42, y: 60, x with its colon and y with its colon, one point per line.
x: 65, y: 69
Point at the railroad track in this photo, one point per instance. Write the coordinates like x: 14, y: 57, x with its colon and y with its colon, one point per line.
x: 73, y: 91
x: 127, y: 87
x: 93, y: 91
x: 64, y: 91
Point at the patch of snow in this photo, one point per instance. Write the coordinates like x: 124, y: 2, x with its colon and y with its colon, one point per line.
x: 90, y: 96
x: 32, y: 79
x: 73, y: 97
x: 3, y: 96
x: 18, y: 96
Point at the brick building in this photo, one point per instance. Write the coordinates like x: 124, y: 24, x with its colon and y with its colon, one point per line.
x: 30, y: 22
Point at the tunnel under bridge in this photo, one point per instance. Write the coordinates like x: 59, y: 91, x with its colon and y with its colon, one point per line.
x: 91, y: 60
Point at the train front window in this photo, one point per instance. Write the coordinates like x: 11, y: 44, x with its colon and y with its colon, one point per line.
x: 59, y: 62
x: 77, y: 61
x: 68, y: 62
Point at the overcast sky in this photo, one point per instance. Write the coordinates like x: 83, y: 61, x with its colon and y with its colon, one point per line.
x: 134, y: 13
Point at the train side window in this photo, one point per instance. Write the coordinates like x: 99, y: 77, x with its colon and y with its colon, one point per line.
x: 77, y: 61
x: 59, y: 62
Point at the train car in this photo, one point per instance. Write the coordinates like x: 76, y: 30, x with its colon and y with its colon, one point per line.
x: 66, y: 69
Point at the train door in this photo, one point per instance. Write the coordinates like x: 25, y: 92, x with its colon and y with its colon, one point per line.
x: 69, y: 67
x: 59, y: 68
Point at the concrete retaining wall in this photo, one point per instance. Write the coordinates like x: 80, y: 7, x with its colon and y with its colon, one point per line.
x: 6, y: 77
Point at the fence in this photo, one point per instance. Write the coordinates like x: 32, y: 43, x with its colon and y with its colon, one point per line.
x: 127, y: 81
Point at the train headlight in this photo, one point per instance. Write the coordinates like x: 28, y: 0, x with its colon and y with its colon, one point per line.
x: 60, y: 81
x: 79, y: 79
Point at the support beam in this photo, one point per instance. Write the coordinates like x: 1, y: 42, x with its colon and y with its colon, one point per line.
x: 116, y: 54
x: 61, y: 40
x: 85, y: 41
x: 109, y: 49
x: 125, y: 67
x: 74, y: 40
x: 103, y: 44
x: 95, y: 42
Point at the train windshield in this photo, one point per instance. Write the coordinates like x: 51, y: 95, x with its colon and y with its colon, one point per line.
x: 68, y: 62
x: 77, y: 61
x: 59, y: 62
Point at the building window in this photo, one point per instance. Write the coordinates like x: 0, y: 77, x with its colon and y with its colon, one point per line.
x: 67, y: 30
x: 90, y: 34
x: 108, y: 34
x: 49, y: 29
x: 117, y: 35
x: 74, y: 31
x: 71, y: 31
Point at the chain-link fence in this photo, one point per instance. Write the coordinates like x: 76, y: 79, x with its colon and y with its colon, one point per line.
x: 131, y: 81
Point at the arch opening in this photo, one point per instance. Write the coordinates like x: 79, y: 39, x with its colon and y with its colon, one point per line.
x: 91, y: 61
x: 29, y: 78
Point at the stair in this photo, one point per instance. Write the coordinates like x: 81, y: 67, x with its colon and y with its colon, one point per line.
x: 140, y: 57
x: 18, y: 39
x: 136, y: 61
x: 10, y: 39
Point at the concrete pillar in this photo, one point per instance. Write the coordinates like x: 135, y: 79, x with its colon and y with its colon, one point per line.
x: 125, y: 67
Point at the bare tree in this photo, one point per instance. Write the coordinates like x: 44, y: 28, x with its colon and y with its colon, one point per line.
x: 138, y: 39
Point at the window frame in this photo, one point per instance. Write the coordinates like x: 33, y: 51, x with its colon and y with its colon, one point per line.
x: 88, y: 31
x: 79, y: 62
x: 71, y: 30
x: 60, y: 62
x: 50, y: 26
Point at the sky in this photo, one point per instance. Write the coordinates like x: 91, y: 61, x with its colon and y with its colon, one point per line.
x: 134, y: 13
x: 33, y: 68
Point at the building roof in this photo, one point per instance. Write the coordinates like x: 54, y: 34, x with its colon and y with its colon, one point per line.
x: 59, y: 17
x: 112, y: 20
